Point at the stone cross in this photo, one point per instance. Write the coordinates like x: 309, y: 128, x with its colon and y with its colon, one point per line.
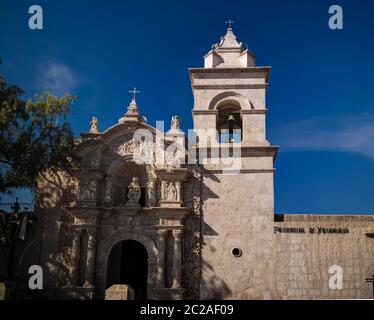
x: 134, y: 92
x: 230, y: 22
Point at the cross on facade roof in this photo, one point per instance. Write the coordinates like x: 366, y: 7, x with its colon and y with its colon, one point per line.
x: 134, y: 92
x: 230, y: 22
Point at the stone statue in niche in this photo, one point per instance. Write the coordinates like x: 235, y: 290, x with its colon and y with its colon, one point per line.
x: 134, y: 193
x: 94, y: 125
x: 151, y: 192
x: 171, y: 192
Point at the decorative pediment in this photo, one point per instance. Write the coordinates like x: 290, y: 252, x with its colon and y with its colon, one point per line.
x: 152, y: 153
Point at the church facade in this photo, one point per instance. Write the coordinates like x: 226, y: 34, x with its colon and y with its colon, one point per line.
x: 179, y: 218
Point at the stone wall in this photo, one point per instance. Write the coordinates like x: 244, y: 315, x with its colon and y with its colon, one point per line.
x: 286, y: 259
x: 237, y: 213
x: 291, y: 260
x: 306, y: 246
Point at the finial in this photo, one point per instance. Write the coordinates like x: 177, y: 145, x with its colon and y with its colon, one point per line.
x: 134, y: 92
x: 94, y: 125
x: 230, y: 22
x: 132, y: 109
x: 175, y: 123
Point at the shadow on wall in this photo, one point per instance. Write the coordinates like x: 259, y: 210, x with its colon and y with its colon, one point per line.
x: 195, y: 229
x: 56, y: 192
x: 213, y: 288
x: 53, y: 229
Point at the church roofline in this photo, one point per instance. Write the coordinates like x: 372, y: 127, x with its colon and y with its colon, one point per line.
x: 125, y: 125
x: 100, y: 138
x: 320, y: 217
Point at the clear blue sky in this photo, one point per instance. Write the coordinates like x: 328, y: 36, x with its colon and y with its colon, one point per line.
x: 320, y: 97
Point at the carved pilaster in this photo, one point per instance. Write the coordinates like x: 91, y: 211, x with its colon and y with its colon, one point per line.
x: 179, y: 193
x: 108, y: 190
x: 161, y: 258
x: 91, y: 255
x: 163, y: 190
x: 74, y: 251
x: 151, y: 193
x: 177, y: 262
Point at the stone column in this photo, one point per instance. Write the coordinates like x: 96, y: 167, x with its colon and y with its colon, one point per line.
x: 161, y: 258
x: 90, y: 262
x: 177, y: 259
x: 163, y: 190
x: 179, y: 195
x: 151, y: 193
x: 73, y: 270
x: 108, y: 190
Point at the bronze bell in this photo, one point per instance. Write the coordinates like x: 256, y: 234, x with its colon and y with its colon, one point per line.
x: 231, y: 118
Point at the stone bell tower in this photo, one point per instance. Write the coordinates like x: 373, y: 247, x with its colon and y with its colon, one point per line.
x: 237, y: 207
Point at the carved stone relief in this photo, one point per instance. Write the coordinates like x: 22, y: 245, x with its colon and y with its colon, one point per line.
x: 88, y: 191
x: 145, y: 152
x: 171, y: 192
x: 192, y: 236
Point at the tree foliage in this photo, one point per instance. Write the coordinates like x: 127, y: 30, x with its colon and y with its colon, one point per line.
x: 34, y: 136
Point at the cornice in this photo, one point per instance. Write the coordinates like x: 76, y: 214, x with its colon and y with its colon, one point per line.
x: 229, y: 86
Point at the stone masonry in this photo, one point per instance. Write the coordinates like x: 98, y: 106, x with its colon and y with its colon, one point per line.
x: 197, y: 230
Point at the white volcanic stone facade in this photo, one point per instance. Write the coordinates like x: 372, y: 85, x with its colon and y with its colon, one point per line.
x: 209, y: 233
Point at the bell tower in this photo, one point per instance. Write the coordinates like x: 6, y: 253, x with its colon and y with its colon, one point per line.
x: 238, y: 208
x: 230, y: 91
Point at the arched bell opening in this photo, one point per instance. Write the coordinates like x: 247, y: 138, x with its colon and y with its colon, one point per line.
x: 229, y: 122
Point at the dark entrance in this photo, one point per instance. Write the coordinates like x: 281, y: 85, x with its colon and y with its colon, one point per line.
x: 128, y: 264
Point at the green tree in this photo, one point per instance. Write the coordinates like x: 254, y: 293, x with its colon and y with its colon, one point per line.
x: 34, y: 136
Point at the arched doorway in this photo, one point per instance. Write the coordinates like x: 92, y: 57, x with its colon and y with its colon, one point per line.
x: 128, y: 264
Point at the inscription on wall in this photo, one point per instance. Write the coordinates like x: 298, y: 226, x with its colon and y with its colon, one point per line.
x: 311, y: 230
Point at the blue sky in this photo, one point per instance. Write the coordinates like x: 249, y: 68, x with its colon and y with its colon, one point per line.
x: 320, y: 97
